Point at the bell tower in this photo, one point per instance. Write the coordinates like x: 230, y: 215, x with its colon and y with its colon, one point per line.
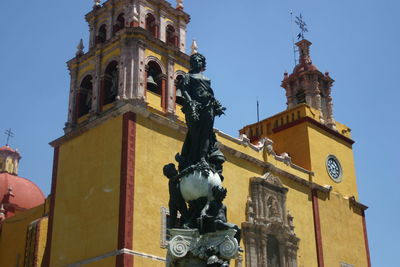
x: 119, y: 86
x: 135, y: 49
x: 310, y: 86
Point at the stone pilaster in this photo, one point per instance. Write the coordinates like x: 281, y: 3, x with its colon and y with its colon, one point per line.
x: 171, y: 86
x: 163, y: 26
x: 72, y: 97
x: 139, y: 71
x: 97, y: 84
x: 182, y: 36
x: 125, y: 70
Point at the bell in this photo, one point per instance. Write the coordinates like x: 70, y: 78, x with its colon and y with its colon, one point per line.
x: 151, y: 84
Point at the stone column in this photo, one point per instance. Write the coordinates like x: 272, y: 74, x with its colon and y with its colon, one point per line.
x: 330, y: 119
x: 263, y: 251
x: 164, y: 93
x: 282, y: 253
x: 139, y: 73
x: 170, y: 107
x: 72, y: 98
x: 124, y: 71
x: 97, y: 84
x: 290, y: 97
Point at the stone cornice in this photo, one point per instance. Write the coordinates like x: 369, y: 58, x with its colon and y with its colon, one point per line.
x: 357, y: 204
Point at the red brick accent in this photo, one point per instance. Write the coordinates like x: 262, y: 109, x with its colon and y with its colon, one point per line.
x: 47, y: 252
x: 127, y: 186
x: 317, y: 228
x: 366, y: 238
x: 312, y: 121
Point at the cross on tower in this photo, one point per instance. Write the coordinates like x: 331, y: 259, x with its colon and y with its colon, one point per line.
x: 302, y: 25
x: 9, y: 134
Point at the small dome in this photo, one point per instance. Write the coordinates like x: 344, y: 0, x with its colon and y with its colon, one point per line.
x: 7, y: 148
x: 17, y: 194
x: 304, y: 67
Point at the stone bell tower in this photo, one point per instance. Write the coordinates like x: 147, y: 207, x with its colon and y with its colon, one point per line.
x: 134, y: 48
x: 310, y: 86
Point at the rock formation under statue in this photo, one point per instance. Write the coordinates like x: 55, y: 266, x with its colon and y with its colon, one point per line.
x: 202, y: 236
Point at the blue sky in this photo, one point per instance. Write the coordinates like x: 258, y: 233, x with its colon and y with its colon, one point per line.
x: 248, y: 45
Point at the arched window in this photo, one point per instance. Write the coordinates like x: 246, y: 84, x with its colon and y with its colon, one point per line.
x: 300, y: 97
x: 151, y: 25
x: 102, y: 34
x: 84, y: 96
x: 171, y: 38
x: 273, y: 255
x: 153, y: 77
x: 111, y: 82
x: 120, y: 23
x: 179, y: 97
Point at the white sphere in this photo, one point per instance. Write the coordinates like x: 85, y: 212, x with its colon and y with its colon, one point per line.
x: 196, y: 185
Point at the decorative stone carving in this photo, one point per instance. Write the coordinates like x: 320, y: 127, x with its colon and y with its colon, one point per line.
x: 268, y: 233
x: 189, y: 245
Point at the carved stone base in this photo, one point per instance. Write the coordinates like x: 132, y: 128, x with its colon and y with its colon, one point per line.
x: 188, y: 248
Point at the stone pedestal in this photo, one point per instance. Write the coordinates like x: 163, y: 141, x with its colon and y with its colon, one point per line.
x: 187, y: 248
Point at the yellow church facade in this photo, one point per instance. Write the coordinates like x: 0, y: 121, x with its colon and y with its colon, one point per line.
x: 109, y: 199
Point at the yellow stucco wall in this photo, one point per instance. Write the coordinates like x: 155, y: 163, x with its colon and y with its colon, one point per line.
x: 295, y: 142
x: 87, y: 195
x: 13, y: 236
x: 342, y: 232
x: 323, y: 144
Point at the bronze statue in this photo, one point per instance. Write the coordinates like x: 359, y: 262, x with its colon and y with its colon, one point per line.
x: 200, y: 109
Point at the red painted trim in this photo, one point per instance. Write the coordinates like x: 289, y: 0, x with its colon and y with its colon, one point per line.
x: 366, y: 238
x: 312, y: 121
x: 127, y: 184
x: 317, y: 228
x: 47, y: 253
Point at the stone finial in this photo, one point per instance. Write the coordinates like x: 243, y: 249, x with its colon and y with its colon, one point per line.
x: 97, y: 3
x: 194, y: 47
x: 80, y: 47
x: 179, y: 4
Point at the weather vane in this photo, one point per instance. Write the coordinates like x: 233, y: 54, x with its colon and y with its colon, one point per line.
x: 9, y: 134
x: 302, y: 25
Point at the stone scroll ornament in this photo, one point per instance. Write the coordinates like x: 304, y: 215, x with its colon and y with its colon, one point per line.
x: 202, y: 236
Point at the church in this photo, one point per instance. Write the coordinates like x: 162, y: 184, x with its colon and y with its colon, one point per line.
x: 290, y: 178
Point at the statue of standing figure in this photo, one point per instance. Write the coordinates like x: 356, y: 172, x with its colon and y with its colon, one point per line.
x: 200, y: 108
x: 197, y: 181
